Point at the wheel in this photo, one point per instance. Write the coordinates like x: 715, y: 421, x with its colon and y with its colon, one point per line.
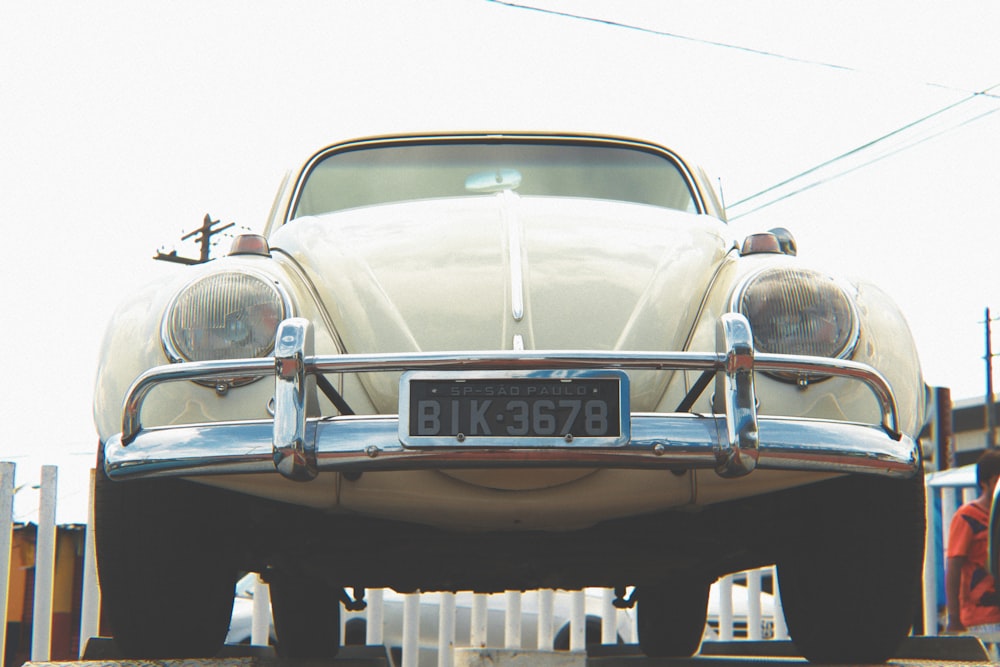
x: 355, y: 632
x: 591, y: 633
x: 167, y: 582
x: 855, y: 568
x: 670, y: 618
x: 306, y: 617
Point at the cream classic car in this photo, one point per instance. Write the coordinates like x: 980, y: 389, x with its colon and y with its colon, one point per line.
x: 507, y: 361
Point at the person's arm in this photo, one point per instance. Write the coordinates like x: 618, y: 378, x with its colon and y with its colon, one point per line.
x: 953, y: 586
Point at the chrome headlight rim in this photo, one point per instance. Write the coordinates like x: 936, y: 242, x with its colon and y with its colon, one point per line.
x: 850, y: 299
x: 173, y: 353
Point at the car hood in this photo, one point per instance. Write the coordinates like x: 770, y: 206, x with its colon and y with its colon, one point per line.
x: 497, y: 272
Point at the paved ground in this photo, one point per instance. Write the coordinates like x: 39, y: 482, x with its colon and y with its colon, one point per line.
x: 916, y: 652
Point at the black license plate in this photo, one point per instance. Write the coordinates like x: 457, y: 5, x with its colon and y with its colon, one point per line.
x: 509, y: 409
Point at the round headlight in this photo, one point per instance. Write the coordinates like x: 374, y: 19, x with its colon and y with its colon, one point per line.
x: 224, y: 316
x: 799, y: 311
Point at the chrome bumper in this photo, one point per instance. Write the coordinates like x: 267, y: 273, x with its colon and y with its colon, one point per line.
x: 733, y: 442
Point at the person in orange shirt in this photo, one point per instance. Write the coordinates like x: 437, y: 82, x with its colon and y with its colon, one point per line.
x: 973, y: 603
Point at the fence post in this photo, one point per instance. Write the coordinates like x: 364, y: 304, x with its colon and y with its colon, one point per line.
x: 260, y: 618
x: 446, y: 630
x: 753, y: 605
x: 90, y: 604
x: 546, y: 611
x: 6, y: 547
x: 480, y: 619
x: 578, y: 621
x: 374, y: 616
x: 930, y: 565
x: 411, y: 629
x: 45, y: 567
x: 609, y: 617
x: 948, y: 496
x: 512, y: 625
x: 780, y: 627
x: 726, y: 608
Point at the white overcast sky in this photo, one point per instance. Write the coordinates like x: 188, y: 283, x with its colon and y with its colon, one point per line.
x: 123, y: 123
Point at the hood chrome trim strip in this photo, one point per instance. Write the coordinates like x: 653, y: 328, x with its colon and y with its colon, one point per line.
x: 512, y: 222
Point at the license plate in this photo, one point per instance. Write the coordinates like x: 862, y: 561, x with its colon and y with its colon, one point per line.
x: 584, y: 408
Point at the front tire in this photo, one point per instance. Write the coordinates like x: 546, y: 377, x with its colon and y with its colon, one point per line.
x: 167, y: 579
x: 671, y: 618
x: 850, y: 579
x: 306, y: 617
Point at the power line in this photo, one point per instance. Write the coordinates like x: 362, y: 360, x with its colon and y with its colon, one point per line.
x: 861, y: 166
x: 672, y: 35
x: 901, y: 132
x: 787, y: 185
x: 860, y: 148
x: 708, y: 42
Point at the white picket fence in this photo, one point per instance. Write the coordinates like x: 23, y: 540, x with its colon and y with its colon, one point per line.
x: 375, y: 615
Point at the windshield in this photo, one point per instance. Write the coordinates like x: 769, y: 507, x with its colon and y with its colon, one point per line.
x: 406, y: 172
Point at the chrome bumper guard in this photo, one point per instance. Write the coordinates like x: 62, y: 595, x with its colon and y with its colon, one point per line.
x: 733, y: 442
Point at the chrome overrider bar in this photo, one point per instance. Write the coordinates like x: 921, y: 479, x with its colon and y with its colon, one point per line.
x: 729, y: 441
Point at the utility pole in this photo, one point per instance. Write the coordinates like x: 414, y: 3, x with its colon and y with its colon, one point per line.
x: 204, y: 240
x: 991, y: 421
